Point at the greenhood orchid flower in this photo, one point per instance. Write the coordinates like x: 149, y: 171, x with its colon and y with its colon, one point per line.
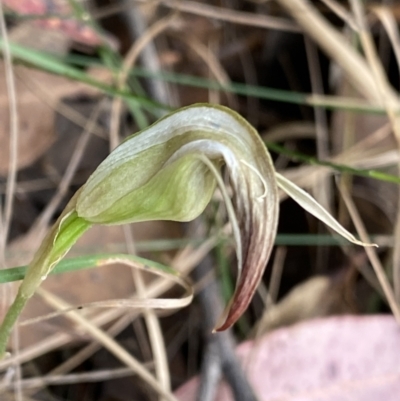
x: 169, y: 171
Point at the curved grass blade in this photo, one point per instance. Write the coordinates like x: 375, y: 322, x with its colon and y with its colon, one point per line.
x: 342, y: 168
x: 307, y: 202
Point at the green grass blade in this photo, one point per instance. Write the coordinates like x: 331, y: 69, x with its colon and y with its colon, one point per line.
x: 54, y: 65
x: 342, y: 168
x: 80, y: 263
x: 279, y: 95
x: 91, y: 261
x: 58, y: 66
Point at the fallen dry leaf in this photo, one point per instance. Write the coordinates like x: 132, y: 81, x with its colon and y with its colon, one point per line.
x: 36, y: 123
x: 66, y: 23
x: 335, y: 359
x: 34, y: 37
x: 37, y: 94
x: 316, y: 297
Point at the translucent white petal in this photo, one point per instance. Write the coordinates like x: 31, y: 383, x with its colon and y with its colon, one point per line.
x: 307, y: 202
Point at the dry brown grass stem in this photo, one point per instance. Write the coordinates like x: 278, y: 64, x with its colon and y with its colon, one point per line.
x: 36, y: 383
x: 214, y: 96
x: 59, y: 340
x: 276, y: 275
x: 270, y: 296
x: 291, y: 130
x: 87, y: 351
x: 24, y: 187
x: 321, y: 121
x: 184, y: 262
x: 212, y: 62
x: 366, y: 153
x: 328, y: 33
x: 76, y: 360
x: 341, y: 12
x: 158, y: 90
x: 152, y: 322
x: 5, y: 218
x: 235, y: 17
x: 107, y: 341
x: 389, y: 22
x: 133, y: 303
x: 366, y: 75
x: 387, y: 95
x: 322, y: 190
x: 335, y: 45
x: 392, y: 107
x: 130, y: 60
x: 212, y: 12
x: 305, y: 176
x: 53, y: 102
x: 343, y: 102
x: 371, y: 253
x: 6, y: 215
x: 42, y: 222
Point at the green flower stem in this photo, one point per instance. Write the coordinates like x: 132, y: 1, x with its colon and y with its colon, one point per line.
x: 9, y: 321
x: 169, y: 172
x: 65, y: 232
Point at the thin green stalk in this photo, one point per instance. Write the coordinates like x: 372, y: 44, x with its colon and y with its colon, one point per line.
x: 53, y: 65
x: 56, y: 244
x: 9, y: 321
x: 370, y: 173
x: 279, y: 95
x: 58, y: 66
x: 91, y: 261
